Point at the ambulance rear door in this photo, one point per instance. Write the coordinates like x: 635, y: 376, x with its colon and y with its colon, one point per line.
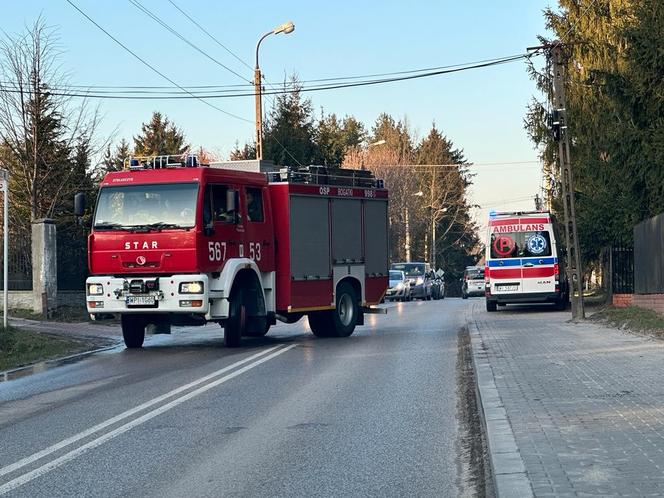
x: 539, y: 261
x: 504, y: 264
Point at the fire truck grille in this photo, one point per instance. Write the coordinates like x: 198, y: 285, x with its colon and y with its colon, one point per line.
x: 149, y: 264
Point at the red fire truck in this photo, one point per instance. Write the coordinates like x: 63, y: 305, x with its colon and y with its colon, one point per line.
x: 175, y: 242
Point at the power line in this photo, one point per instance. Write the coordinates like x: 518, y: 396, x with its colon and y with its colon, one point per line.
x: 208, y: 33
x: 146, y: 11
x: 136, y: 3
x: 285, y: 90
x: 144, y: 62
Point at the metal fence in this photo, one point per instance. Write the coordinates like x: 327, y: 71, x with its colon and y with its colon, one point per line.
x: 649, y: 256
x: 20, y: 262
x: 622, y: 269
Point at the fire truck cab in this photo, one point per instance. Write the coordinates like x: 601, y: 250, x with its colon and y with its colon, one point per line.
x: 175, y: 242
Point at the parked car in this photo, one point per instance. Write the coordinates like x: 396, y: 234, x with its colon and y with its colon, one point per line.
x: 399, y: 287
x: 438, y: 284
x: 419, y: 276
x: 472, y: 282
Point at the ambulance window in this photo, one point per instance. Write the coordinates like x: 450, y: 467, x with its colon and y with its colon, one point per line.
x: 255, y: 205
x: 520, y: 244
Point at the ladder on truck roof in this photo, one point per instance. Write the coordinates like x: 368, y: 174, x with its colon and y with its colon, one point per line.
x: 162, y: 162
x: 328, y: 175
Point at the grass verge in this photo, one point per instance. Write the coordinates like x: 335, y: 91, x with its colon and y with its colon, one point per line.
x: 20, y: 347
x: 640, y: 320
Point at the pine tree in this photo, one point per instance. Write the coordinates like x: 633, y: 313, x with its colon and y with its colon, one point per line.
x: 159, y: 137
x: 288, y: 137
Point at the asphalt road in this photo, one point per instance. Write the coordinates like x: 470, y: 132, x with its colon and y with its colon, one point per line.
x: 285, y: 415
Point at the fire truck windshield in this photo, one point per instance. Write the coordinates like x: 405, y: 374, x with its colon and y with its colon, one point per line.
x: 156, y: 206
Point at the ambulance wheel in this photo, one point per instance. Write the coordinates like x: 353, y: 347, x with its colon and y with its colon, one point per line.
x: 491, y: 305
x: 133, y: 331
x: 561, y: 305
x: 236, y: 324
x: 464, y: 296
x: 320, y: 323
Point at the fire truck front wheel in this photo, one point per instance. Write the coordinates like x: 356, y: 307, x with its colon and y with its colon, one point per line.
x: 236, y: 324
x: 133, y: 331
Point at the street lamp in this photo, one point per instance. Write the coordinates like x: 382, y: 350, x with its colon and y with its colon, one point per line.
x: 434, y: 222
x: 285, y: 28
x: 364, y: 153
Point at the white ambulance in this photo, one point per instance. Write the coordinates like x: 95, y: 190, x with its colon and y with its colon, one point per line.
x: 522, y: 261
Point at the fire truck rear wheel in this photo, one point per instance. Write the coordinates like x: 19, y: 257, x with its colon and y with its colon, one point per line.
x: 344, y: 317
x: 133, y: 331
x: 320, y: 323
x: 236, y: 323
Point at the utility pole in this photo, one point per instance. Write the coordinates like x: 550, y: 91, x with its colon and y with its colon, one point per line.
x: 4, y: 188
x: 560, y: 123
x: 259, y: 110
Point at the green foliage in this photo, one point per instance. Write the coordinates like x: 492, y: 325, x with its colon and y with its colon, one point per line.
x: 444, y: 187
x: 288, y: 136
x: 114, y: 159
x: 159, y: 137
x: 243, y: 154
x: 333, y: 138
x: 615, y: 96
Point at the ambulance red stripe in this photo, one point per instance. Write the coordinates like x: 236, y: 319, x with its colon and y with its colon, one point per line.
x: 505, y: 273
x: 517, y: 221
x: 538, y: 272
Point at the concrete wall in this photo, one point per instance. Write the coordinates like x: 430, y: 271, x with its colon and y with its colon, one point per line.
x: 44, y: 266
x: 24, y: 300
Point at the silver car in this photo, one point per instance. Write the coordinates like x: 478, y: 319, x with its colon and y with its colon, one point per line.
x: 399, y: 289
x: 472, y: 282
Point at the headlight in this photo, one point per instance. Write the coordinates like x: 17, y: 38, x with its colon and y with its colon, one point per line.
x: 191, y: 288
x: 419, y: 281
x: 95, y: 289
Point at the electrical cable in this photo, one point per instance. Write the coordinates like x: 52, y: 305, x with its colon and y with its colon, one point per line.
x: 146, y: 11
x: 144, y: 62
x: 190, y: 95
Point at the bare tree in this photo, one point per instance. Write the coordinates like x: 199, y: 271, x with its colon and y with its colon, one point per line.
x: 46, y: 136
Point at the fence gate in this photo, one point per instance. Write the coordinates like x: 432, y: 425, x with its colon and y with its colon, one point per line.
x: 20, y: 260
x: 622, y: 265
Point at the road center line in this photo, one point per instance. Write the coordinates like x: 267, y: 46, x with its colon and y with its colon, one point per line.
x: 47, y: 467
x: 88, y: 432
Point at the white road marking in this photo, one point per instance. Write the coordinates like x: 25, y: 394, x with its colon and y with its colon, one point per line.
x: 88, y: 432
x: 47, y: 467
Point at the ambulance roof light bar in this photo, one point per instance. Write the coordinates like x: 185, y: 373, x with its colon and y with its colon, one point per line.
x: 494, y: 214
x: 164, y: 161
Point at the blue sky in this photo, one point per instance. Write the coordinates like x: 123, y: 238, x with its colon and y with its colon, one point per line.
x: 481, y: 111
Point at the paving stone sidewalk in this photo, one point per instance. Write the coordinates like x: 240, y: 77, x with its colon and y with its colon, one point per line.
x: 585, y: 402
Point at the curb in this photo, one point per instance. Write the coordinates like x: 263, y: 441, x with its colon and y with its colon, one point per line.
x: 6, y: 374
x: 507, y: 468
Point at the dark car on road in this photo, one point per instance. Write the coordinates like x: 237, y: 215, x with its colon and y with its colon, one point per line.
x: 472, y: 282
x: 420, y: 277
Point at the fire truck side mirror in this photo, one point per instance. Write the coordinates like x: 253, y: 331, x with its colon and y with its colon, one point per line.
x: 79, y: 204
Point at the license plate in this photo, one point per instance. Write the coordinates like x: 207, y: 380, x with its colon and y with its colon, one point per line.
x: 507, y: 288
x: 141, y: 301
